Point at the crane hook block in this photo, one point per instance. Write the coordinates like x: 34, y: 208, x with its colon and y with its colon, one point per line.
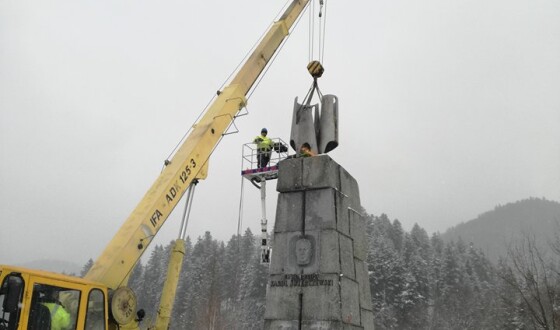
x: 315, y: 69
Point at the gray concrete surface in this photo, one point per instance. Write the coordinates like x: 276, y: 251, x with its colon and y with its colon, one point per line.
x: 318, y: 273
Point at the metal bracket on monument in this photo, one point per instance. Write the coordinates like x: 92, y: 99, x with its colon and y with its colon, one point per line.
x: 314, y: 124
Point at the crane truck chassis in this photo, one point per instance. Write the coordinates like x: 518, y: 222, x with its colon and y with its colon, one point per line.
x: 31, y: 299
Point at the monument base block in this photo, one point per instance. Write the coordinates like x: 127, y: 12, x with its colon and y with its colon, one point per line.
x: 318, y: 273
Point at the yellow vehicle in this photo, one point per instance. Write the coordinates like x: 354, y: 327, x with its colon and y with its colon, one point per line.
x: 25, y: 295
x: 41, y: 300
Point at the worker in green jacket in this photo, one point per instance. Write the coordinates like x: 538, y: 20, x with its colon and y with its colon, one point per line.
x: 60, y: 318
x: 264, y: 148
x: 305, y: 150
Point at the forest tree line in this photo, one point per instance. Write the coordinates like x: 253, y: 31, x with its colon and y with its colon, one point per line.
x: 417, y: 281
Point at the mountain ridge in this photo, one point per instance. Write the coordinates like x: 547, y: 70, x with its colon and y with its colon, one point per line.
x: 494, y: 230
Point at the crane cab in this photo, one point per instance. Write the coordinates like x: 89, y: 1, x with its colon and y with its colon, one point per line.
x: 40, y: 300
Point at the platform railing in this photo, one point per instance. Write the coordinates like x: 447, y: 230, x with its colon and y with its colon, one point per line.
x: 249, y: 165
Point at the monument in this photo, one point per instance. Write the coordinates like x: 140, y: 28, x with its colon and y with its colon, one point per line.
x: 318, y: 274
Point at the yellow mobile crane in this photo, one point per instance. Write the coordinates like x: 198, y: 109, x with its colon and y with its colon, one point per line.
x: 29, y: 298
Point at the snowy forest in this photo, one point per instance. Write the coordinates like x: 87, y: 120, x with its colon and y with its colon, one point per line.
x: 417, y: 282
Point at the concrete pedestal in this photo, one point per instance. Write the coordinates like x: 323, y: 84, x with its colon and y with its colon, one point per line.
x: 318, y: 273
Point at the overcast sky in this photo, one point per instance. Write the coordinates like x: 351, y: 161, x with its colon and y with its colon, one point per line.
x: 447, y: 109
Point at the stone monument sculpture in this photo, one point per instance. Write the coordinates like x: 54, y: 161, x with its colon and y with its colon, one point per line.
x: 318, y: 274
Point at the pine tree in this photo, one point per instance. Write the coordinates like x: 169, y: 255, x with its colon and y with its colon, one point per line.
x: 413, y: 311
x: 203, y: 306
x: 86, y: 268
x: 136, y: 280
x: 387, y: 273
x: 153, y: 278
x: 185, y: 302
x: 397, y: 235
x: 252, y: 292
x: 233, y: 264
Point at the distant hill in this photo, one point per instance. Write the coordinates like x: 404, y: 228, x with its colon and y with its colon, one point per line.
x: 491, y: 231
x: 57, y: 266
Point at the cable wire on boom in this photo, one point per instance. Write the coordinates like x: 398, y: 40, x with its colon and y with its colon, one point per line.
x: 324, y: 33
x: 265, y: 71
x: 240, y: 219
x: 317, y: 30
x: 166, y: 162
x: 311, y: 31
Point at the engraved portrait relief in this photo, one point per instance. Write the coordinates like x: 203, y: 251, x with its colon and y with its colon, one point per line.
x: 304, y: 251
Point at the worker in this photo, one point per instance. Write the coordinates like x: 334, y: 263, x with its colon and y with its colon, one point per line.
x: 60, y: 318
x: 264, y: 148
x: 305, y: 150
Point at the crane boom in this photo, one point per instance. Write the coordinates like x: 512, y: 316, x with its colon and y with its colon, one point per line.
x: 129, y: 243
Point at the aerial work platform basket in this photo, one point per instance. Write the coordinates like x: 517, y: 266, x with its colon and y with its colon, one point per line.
x: 249, y: 166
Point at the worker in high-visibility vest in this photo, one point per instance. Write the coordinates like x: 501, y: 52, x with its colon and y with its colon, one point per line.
x: 60, y: 318
x: 305, y: 150
x: 264, y: 148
